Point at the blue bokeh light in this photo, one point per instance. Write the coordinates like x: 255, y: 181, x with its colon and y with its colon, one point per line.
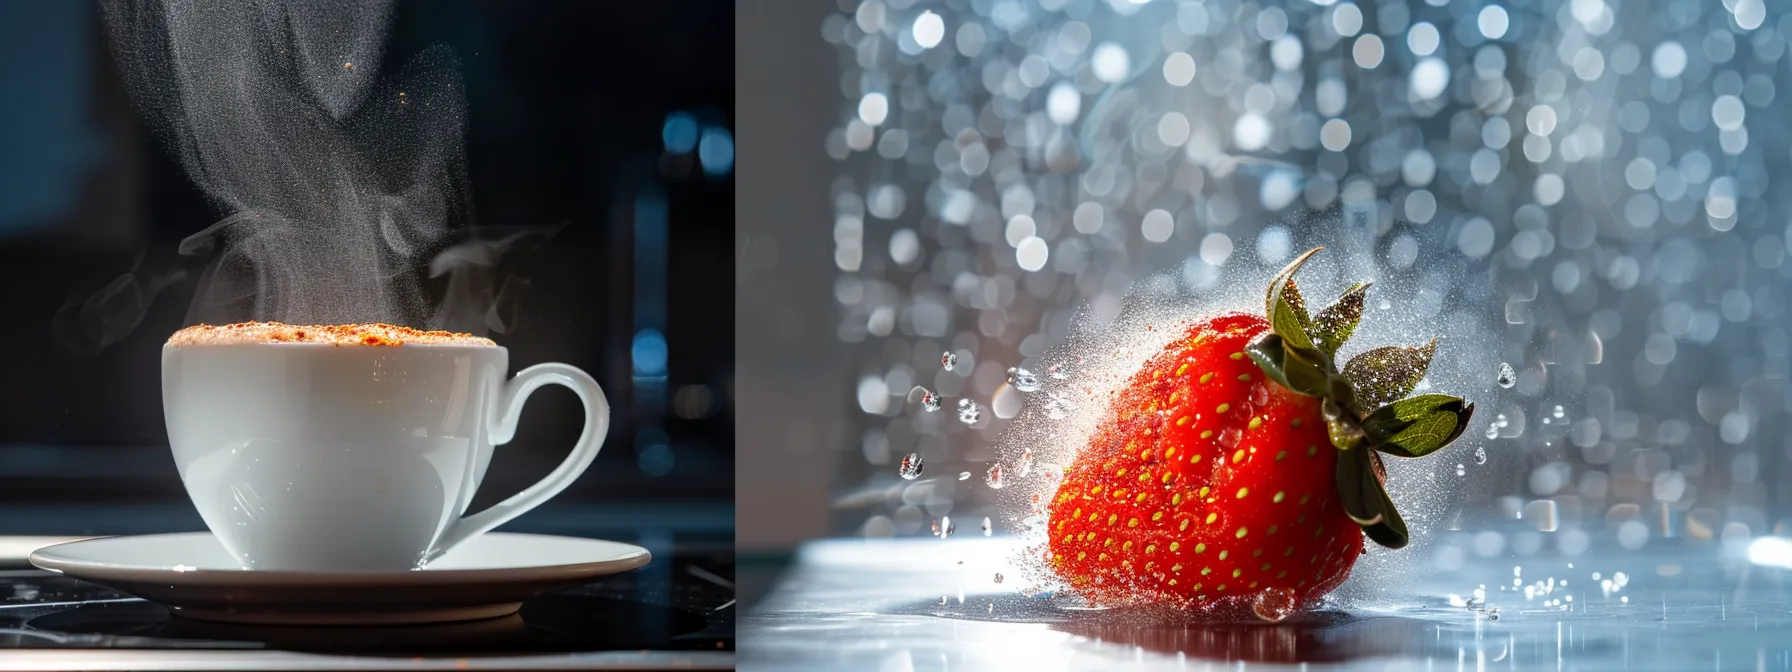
x: 653, y: 452
x: 680, y: 133
x: 649, y: 353
x: 716, y: 151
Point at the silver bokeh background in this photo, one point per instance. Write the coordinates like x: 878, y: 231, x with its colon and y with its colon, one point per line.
x: 1583, y: 189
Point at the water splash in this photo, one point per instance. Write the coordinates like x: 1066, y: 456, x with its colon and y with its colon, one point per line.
x: 930, y: 402
x: 969, y: 412
x: 1023, y: 379
x: 910, y: 467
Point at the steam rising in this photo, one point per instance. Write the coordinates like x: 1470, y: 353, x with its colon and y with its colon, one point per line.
x: 340, y: 182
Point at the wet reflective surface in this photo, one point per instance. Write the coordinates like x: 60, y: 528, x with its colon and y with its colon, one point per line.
x: 877, y: 605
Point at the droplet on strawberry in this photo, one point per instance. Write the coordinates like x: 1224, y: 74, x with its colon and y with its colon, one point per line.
x: 1274, y: 604
x: 1239, y: 469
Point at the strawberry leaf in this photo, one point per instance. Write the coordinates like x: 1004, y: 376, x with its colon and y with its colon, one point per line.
x: 1366, y: 500
x: 1283, y: 305
x: 1425, y: 435
x: 1335, y: 323
x: 1418, y: 426
x: 1267, y: 351
x: 1416, y: 407
x: 1385, y: 374
x: 1288, y: 369
x: 1282, y: 276
x: 1305, y: 374
x: 1289, y: 317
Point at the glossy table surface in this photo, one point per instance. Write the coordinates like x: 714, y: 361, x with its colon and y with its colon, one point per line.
x: 877, y: 605
x: 675, y: 613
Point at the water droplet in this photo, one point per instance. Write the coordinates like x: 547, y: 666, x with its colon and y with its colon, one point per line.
x: 944, y: 527
x: 1557, y: 412
x: 1493, y: 614
x: 930, y: 401
x: 1501, y: 421
x: 1274, y: 604
x: 1025, y: 466
x: 988, y: 528
x: 1059, y: 371
x: 1023, y: 379
x: 942, y: 600
x: 1461, y: 470
x: 994, y: 477
x: 1229, y: 437
x: 910, y: 468
x: 964, y: 475
x: 1493, y: 430
x: 969, y: 412
x: 1481, y: 454
x: 1259, y: 394
x: 948, y: 360
x: 1508, y: 377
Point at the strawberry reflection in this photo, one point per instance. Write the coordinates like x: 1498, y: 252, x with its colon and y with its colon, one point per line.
x: 1308, y: 637
x: 1323, y: 637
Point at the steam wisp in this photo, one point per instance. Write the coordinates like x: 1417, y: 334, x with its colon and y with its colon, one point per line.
x: 342, y: 185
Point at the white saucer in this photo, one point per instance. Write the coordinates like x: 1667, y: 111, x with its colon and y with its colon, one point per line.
x: 490, y: 575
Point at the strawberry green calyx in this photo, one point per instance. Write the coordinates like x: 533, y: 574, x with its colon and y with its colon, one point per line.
x: 1365, y: 404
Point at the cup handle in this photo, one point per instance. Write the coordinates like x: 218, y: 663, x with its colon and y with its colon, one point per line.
x: 503, y: 428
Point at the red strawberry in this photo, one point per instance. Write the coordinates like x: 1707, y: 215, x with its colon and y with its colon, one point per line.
x: 1240, y: 466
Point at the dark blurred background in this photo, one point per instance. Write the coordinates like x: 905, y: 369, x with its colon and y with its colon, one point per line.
x: 610, y: 120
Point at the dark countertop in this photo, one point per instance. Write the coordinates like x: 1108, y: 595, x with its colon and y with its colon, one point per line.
x: 675, y: 613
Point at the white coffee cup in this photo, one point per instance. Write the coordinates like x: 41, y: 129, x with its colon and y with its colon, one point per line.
x: 320, y: 457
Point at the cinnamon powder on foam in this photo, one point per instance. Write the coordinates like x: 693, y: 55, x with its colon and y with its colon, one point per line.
x: 329, y: 334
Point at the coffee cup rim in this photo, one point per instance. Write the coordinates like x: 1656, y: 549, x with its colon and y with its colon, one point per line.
x: 311, y: 345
